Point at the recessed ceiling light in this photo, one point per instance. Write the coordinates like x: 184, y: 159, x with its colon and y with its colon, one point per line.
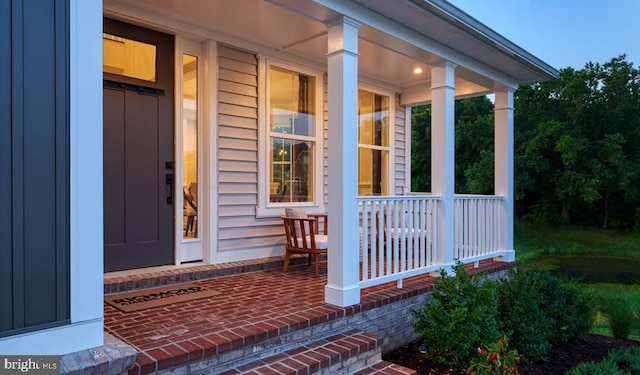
x: 417, y: 70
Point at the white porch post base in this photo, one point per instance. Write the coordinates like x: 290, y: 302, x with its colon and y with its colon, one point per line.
x: 508, y: 256
x: 342, y: 297
x: 447, y: 267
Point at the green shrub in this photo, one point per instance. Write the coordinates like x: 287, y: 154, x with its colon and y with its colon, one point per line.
x: 596, y: 368
x: 619, y: 362
x: 568, y: 305
x: 522, y: 316
x: 460, y: 317
x: 537, y: 308
x: 620, y: 316
x: 626, y: 359
x: 495, y: 359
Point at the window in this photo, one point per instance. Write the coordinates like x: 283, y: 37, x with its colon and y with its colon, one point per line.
x: 373, y: 143
x: 190, y: 144
x: 293, y: 139
x: 129, y: 58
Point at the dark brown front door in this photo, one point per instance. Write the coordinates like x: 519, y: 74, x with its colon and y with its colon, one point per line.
x: 138, y: 147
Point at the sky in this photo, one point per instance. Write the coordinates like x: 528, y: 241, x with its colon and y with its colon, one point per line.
x: 564, y: 33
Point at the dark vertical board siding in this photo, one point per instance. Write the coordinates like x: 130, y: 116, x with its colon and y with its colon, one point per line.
x: 39, y: 161
x: 34, y: 127
x: 6, y: 258
x: 63, y: 161
x: 17, y: 152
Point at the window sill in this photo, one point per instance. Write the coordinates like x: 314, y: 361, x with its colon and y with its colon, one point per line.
x: 277, y: 209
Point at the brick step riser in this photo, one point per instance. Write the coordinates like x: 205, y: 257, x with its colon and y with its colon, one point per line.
x: 237, y: 357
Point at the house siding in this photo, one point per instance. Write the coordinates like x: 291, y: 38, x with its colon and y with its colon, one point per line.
x: 238, y: 227
x: 399, y: 158
x: 34, y: 165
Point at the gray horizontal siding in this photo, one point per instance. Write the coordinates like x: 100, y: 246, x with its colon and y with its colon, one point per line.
x: 238, y: 227
x: 399, y: 162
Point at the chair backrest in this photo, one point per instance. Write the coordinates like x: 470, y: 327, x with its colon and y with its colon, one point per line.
x: 188, y: 199
x: 193, y: 190
x: 300, y: 232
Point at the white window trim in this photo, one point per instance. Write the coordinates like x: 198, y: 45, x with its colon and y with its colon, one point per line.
x: 392, y: 140
x: 265, y: 208
x: 188, y: 249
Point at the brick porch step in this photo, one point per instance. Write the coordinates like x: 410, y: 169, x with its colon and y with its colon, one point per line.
x: 386, y: 368
x: 345, y: 353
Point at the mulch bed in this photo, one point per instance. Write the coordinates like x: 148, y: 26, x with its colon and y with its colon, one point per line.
x: 561, y: 358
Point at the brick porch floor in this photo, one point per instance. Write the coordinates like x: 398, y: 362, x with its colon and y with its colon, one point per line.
x: 251, y: 307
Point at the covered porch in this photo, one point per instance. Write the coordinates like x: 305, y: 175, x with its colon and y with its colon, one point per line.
x: 419, y: 52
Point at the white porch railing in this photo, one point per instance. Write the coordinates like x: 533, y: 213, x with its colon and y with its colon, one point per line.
x: 398, y: 234
x: 479, y: 227
x: 397, y: 237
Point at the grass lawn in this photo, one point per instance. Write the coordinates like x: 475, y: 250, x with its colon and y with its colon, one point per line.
x: 550, y: 246
x: 629, y: 292
x: 533, y: 242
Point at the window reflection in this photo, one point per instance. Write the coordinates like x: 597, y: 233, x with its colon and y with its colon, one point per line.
x: 292, y: 122
x: 373, y: 143
x: 129, y: 58
x: 190, y: 145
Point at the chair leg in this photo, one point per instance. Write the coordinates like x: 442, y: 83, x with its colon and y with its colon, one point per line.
x: 189, y: 223
x: 286, y: 261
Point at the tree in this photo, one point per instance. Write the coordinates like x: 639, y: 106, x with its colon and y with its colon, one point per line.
x: 577, y: 139
x: 421, y: 148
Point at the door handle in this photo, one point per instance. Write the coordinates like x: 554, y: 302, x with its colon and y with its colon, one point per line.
x: 169, y: 180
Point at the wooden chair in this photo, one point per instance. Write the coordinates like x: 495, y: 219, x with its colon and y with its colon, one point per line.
x: 306, y: 236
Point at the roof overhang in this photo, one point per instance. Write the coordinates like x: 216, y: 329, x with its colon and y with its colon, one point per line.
x: 395, y: 38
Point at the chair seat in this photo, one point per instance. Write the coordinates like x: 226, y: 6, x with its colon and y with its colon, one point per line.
x: 322, y: 241
x: 300, y: 231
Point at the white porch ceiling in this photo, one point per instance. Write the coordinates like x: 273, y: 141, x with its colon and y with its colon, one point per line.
x: 299, y: 28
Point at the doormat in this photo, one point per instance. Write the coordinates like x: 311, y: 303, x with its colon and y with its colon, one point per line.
x: 148, y: 298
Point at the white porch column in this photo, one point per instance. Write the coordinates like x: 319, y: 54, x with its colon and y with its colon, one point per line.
x: 442, y: 156
x: 342, y: 287
x: 504, y: 165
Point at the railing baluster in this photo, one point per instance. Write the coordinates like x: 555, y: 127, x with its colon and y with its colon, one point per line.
x: 399, y: 234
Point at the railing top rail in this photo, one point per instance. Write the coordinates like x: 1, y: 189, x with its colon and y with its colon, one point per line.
x: 397, y: 197
x: 478, y: 196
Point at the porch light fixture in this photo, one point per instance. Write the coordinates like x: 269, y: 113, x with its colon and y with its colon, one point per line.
x: 417, y: 70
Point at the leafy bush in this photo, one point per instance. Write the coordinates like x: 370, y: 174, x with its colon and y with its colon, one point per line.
x: 537, y: 308
x: 461, y: 316
x: 626, y: 359
x: 522, y: 315
x: 620, y: 315
x: 568, y: 305
x: 619, y: 362
x: 495, y: 359
x: 596, y: 368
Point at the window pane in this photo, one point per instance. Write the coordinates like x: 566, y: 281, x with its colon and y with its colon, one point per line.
x: 291, y: 171
x: 373, y: 119
x: 372, y: 171
x: 129, y: 58
x: 292, y: 102
x: 190, y: 144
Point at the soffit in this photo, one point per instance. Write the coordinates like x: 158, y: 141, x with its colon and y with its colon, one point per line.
x: 299, y: 28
